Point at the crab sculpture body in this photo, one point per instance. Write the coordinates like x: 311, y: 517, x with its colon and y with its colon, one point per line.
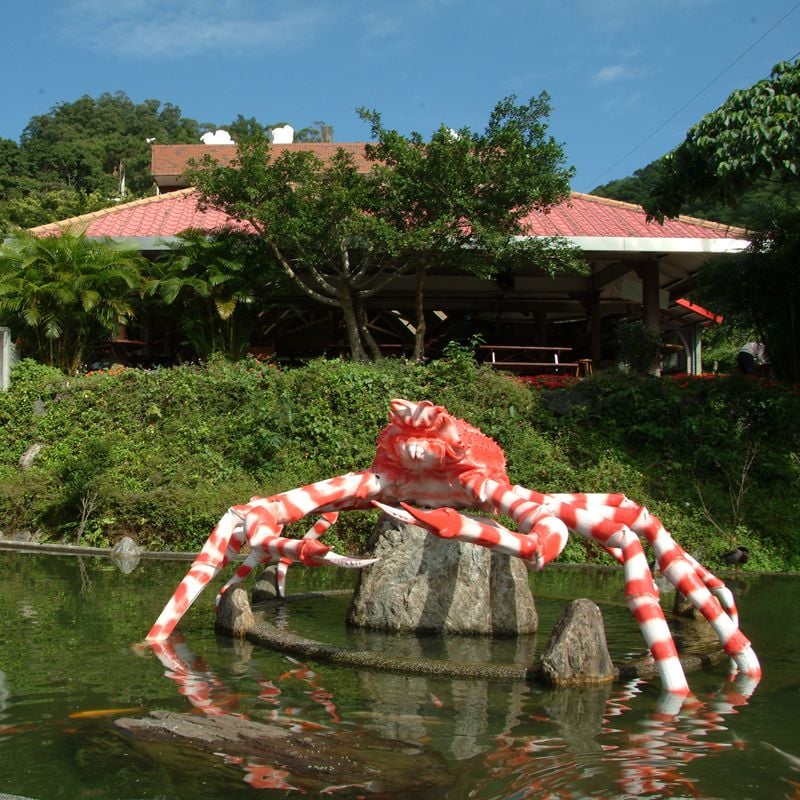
x: 427, y: 458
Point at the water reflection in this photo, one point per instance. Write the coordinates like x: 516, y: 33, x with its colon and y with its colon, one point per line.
x: 521, y: 741
x: 333, y: 756
x: 589, y: 747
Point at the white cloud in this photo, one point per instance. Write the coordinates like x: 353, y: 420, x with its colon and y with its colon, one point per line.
x: 153, y: 29
x: 378, y: 25
x: 612, y: 73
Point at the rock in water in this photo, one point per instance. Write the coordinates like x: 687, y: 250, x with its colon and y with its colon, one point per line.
x: 126, y: 554
x: 266, y: 587
x: 234, y: 615
x: 312, y: 762
x: 577, y: 652
x: 423, y: 583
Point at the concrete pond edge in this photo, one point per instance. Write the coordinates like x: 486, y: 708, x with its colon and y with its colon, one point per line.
x: 237, y: 619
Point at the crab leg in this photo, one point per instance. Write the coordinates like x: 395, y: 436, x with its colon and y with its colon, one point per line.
x: 353, y: 490
x: 447, y: 523
x: 267, y: 545
x: 210, y: 560
x: 703, y: 589
x: 534, y: 518
x: 620, y: 508
x: 675, y: 564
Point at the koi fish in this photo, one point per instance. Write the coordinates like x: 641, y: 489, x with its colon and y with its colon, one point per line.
x: 104, y: 712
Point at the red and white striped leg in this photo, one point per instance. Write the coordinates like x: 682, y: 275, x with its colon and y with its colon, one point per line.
x: 448, y: 523
x: 703, y: 589
x: 641, y: 593
x: 531, y: 516
x: 694, y: 581
x: 211, y: 559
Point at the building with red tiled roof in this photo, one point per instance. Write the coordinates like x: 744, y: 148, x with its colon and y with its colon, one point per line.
x: 635, y: 267
x: 168, y: 162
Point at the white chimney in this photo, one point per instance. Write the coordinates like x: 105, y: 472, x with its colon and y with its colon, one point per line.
x: 282, y: 135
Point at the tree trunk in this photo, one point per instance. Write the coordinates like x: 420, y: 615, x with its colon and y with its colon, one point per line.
x: 366, y: 336
x: 419, y: 304
x: 346, y: 302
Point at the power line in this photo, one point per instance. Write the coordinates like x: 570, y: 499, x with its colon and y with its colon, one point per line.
x: 695, y: 96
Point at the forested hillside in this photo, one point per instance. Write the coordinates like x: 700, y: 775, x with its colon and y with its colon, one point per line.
x: 637, y: 188
x: 90, y: 153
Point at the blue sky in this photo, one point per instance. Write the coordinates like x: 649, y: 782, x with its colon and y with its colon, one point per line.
x: 627, y: 78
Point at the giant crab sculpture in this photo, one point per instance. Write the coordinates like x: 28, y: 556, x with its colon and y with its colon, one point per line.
x: 426, y: 457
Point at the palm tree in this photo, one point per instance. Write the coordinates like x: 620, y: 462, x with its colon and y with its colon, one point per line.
x: 213, y: 281
x: 64, y: 294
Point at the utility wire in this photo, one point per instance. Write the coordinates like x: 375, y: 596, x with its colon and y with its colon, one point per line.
x: 695, y: 96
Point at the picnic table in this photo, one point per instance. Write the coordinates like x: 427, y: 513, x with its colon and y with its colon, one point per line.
x: 531, y: 358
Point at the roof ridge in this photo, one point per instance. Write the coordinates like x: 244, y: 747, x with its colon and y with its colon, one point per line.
x: 703, y: 223
x: 78, y: 221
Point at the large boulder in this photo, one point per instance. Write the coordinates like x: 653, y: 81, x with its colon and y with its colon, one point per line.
x: 423, y: 583
x: 577, y: 652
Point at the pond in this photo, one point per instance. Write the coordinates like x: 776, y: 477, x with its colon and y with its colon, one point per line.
x: 70, y: 671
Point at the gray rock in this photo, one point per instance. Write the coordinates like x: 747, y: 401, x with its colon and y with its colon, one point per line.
x: 422, y: 583
x: 577, y: 652
x: 126, y: 554
x: 683, y: 607
x: 39, y: 407
x: 234, y: 615
x: 266, y: 587
x: 315, y: 762
x: 29, y: 456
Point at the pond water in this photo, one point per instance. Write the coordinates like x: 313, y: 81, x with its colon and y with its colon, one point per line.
x: 69, y: 670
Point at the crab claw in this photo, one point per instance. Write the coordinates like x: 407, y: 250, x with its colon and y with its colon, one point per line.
x: 406, y: 515
x: 313, y: 553
x: 444, y: 522
x: 348, y: 562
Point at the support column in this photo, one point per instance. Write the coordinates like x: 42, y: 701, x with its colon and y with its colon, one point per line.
x: 540, y: 325
x: 591, y: 302
x: 648, y: 273
x: 8, y: 357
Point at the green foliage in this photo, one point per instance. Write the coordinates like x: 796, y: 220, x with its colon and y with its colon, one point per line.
x: 63, y: 294
x: 753, y: 135
x: 92, y: 144
x: 163, y: 453
x: 638, y: 345
x: 720, y: 450
x: 214, y: 287
x: 39, y: 208
x: 721, y: 346
x: 759, y: 289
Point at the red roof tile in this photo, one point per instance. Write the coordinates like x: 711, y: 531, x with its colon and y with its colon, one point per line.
x: 581, y: 216
x: 163, y: 215
x: 589, y: 215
